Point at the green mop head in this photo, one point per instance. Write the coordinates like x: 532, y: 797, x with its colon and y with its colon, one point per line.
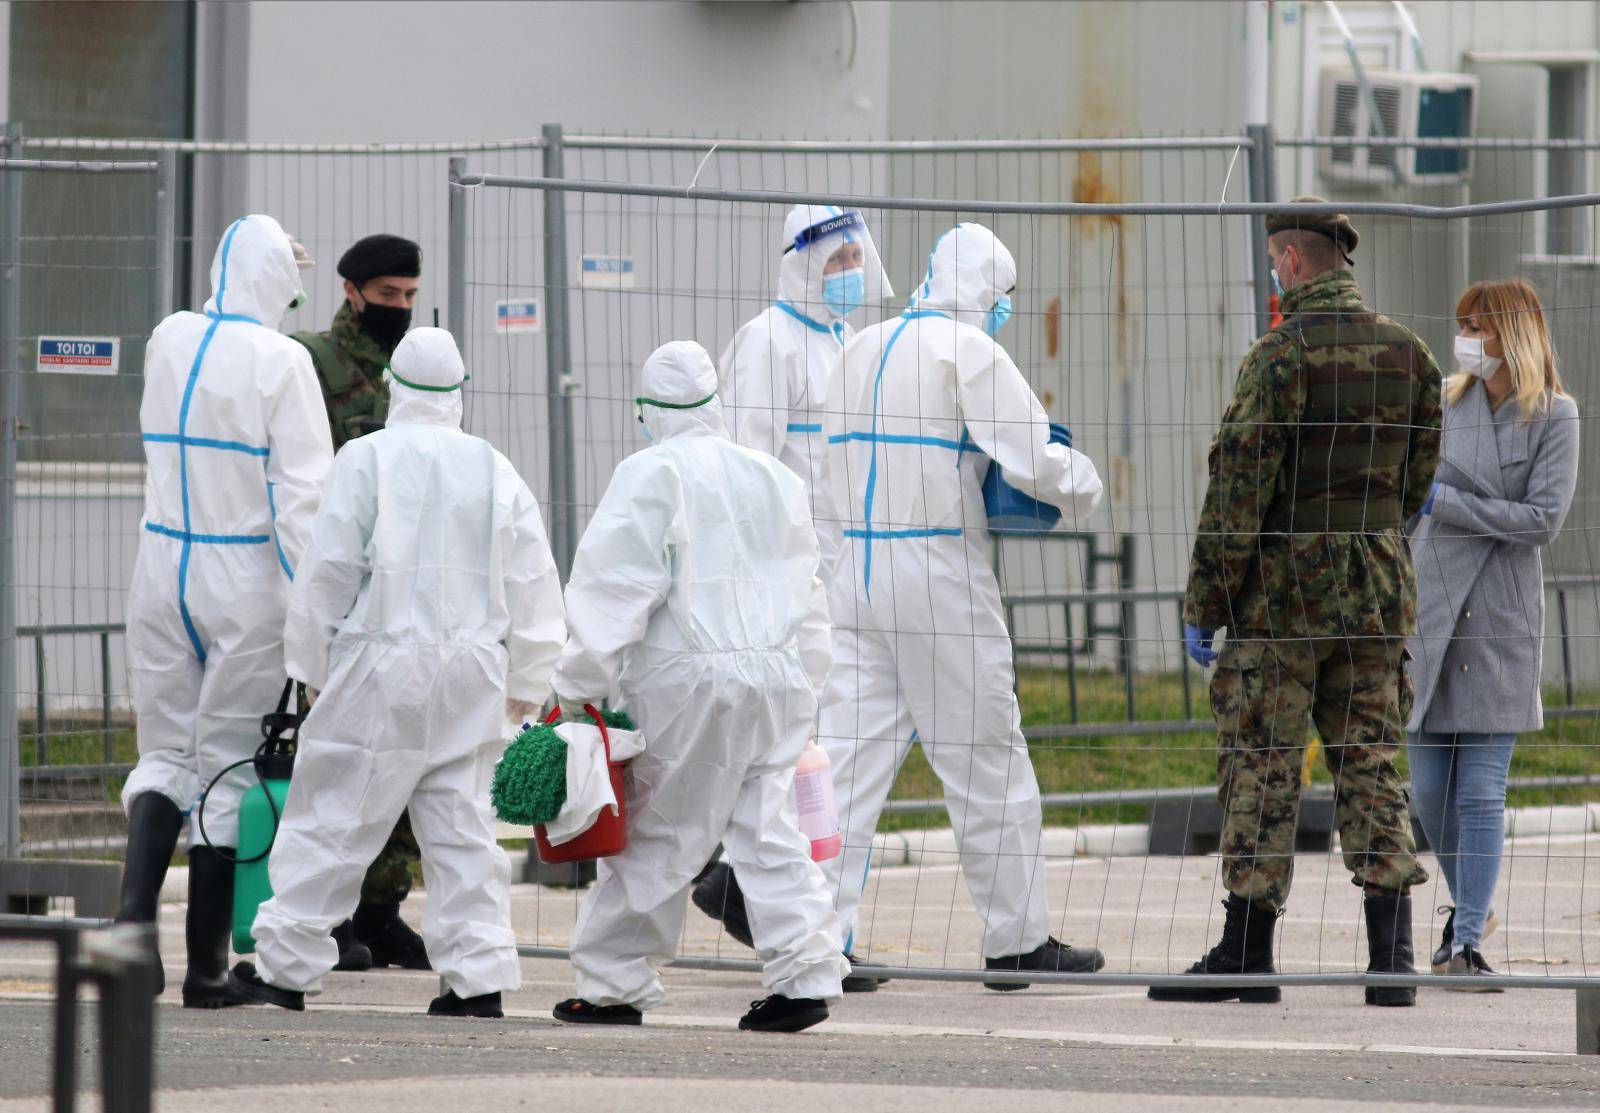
x: 530, y: 783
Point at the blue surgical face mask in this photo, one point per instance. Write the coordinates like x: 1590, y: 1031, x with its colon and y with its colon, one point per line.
x: 844, y: 292
x: 1277, y: 283
x: 998, y: 316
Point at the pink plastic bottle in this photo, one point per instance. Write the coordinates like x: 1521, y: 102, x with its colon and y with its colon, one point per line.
x: 813, y: 795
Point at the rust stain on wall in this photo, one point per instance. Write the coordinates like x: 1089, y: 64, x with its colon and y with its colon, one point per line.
x: 1052, y: 328
x: 1091, y: 186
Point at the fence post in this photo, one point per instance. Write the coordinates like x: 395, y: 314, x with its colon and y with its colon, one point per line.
x: 164, y: 296
x: 455, y: 309
x: 10, y: 422
x: 1589, y: 1021
x: 558, y: 357
x: 1263, y: 187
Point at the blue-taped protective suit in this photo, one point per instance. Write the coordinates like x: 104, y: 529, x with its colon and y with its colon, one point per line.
x: 921, y: 649
x: 236, y: 445
x: 775, y: 372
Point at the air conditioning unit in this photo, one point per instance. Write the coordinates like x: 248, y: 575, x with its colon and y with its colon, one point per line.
x: 1410, y: 106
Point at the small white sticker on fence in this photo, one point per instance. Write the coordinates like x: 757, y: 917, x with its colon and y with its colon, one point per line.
x: 606, y: 271
x: 520, y: 315
x: 85, y: 355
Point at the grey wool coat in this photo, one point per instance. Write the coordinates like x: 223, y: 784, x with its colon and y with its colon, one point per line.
x: 1505, y: 487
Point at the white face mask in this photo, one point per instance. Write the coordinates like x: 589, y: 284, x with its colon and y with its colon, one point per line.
x: 1470, y: 357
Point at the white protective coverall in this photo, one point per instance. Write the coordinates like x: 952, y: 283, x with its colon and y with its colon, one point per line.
x: 921, y: 650
x: 236, y: 445
x: 775, y: 372
x: 428, y: 595
x: 695, y: 593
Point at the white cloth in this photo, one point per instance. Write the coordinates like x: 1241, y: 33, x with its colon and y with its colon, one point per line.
x: 921, y: 646
x: 589, y: 789
x: 695, y: 593
x: 775, y: 372
x: 427, y: 594
x: 237, y: 445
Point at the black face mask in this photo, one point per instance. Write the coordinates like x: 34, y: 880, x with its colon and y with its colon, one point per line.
x: 385, y: 323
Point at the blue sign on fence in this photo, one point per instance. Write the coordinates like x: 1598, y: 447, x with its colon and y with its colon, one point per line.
x: 92, y: 355
x: 606, y: 271
x: 517, y: 315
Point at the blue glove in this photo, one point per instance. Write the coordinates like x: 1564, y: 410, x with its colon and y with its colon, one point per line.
x: 1427, y: 507
x: 1197, y: 644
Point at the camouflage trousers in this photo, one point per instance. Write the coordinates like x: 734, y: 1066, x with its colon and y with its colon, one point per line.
x: 1358, y: 694
x: 388, y: 879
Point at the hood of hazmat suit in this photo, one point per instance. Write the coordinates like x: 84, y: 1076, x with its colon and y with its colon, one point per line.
x: 776, y: 371
x: 427, y: 596
x: 236, y: 445
x: 923, y: 402
x: 695, y: 594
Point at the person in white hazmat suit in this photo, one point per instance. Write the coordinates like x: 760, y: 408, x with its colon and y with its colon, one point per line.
x: 236, y: 447
x: 775, y: 376
x: 695, y: 595
x: 921, y: 652
x: 427, y: 611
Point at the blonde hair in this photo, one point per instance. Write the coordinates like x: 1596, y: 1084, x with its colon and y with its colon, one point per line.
x: 1512, y: 309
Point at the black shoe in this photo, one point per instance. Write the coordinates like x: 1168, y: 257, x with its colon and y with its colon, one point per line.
x: 783, y: 1014
x: 153, y: 826
x: 353, y: 954
x: 245, y: 982
x: 860, y: 983
x: 1441, y: 957
x: 484, y: 1004
x: 1470, y: 963
x: 575, y: 1010
x: 1245, y: 948
x: 206, y: 928
x: 718, y: 895
x: 1052, y: 955
x: 1389, y: 947
x: 389, y: 939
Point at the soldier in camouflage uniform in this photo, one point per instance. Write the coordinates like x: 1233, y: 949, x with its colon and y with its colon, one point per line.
x: 1327, y: 449
x: 381, y: 277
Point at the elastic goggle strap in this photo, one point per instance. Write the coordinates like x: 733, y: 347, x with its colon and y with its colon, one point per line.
x: 675, y: 405
x: 418, y: 386
x: 840, y: 223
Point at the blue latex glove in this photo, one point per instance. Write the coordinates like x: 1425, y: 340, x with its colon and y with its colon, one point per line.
x: 1197, y: 644
x: 1427, y: 507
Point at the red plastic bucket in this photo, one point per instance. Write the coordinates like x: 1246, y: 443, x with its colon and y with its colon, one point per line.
x: 609, y: 833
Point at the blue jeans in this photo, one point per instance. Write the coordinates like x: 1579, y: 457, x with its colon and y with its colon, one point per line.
x: 1459, y: 784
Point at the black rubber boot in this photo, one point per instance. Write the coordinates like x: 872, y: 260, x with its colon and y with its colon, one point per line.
x: 783, y: 1014
x: 1052, y: 954
x: 448, y: 1004
x: 154, y: 823
x: 246, y: 983
x: 389, y: 938
x: 1245, y: 948
x: 1389, y: 947
x: 206, y: 928
x: 718, y: 895
x: 353, y: 954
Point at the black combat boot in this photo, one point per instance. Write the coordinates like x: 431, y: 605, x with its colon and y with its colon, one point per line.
x: 353, y: 954
x: 1245, y: 948
x: 389, y: 938
x: 718, y: 895
x: 153, y: 826
x: 1389, y: 947
x: 206, y: 928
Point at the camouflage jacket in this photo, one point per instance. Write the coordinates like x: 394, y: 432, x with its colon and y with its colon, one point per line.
x: 349, y: 365
x: 1261, y: 582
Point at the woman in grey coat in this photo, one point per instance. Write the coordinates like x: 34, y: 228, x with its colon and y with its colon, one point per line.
x: 1507, y: 472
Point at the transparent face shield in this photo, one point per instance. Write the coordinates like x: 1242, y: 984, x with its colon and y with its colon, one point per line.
x: 839, y: 265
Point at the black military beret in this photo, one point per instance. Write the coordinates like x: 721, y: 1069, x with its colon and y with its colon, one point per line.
x: 1336, y: 226
x: 378, y: 255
